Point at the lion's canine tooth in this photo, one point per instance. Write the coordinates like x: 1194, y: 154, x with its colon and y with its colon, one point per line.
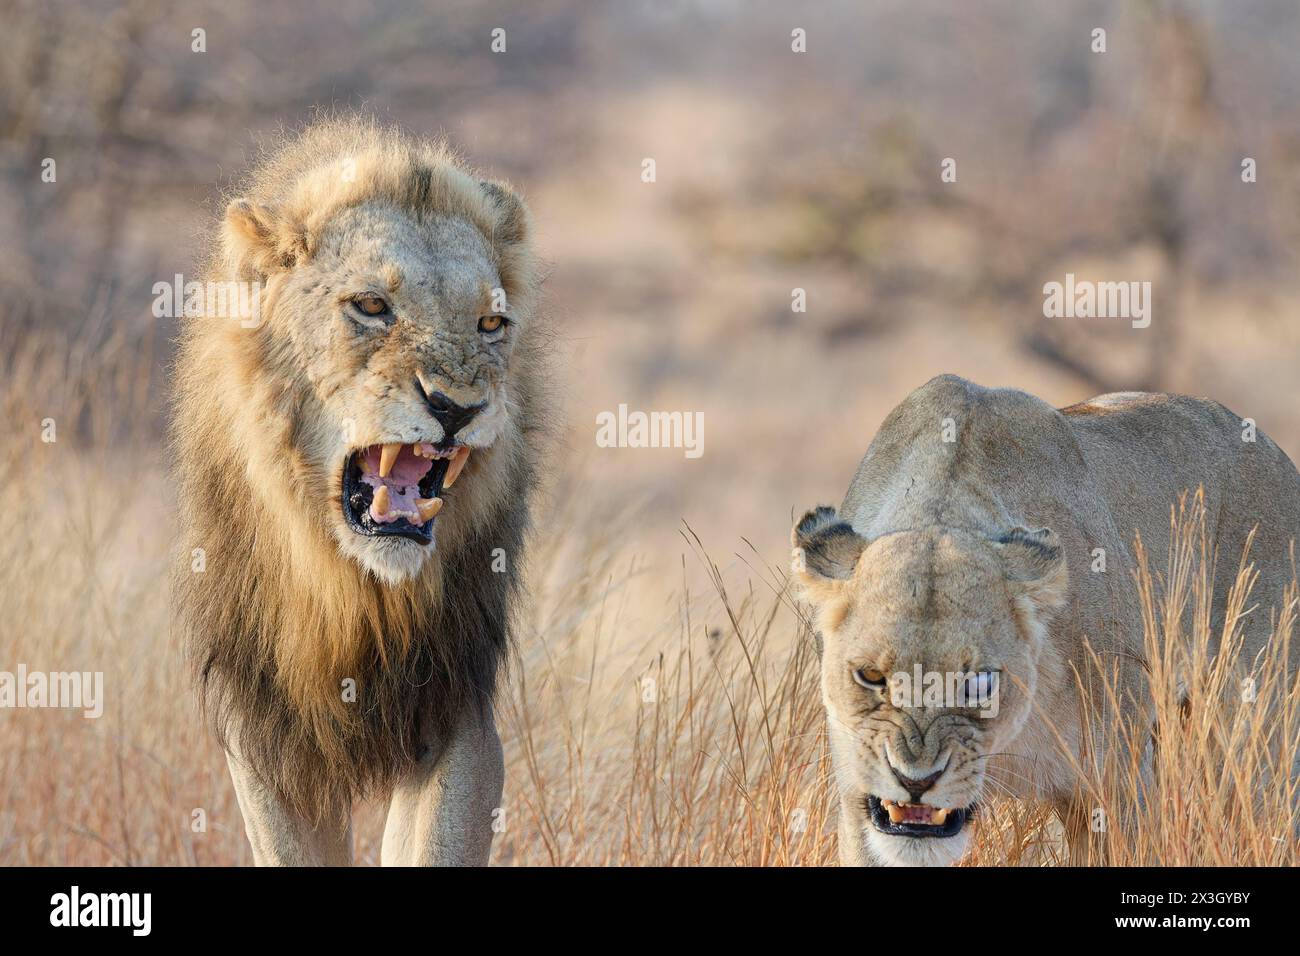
x: 939, y: 816
x: 380, y: 505
x: 388, y: 457
x: 895, y: 811
x: 428, y: 507
x: 457, y: 465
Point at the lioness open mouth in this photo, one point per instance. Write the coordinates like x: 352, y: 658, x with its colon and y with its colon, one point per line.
x: 394, y: 489
x: 916, y: 819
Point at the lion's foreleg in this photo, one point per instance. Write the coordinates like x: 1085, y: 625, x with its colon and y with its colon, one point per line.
x: 281, y: 837
x: 442, y: 814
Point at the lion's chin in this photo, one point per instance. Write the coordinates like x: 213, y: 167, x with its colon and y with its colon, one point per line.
x: 391, y: 560
x: 915, y: 851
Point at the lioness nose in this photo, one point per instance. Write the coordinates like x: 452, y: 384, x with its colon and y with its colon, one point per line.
x: 916, y: 787
x: 451, y: 416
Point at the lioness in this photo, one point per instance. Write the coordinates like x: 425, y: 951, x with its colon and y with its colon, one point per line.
x: 966, y: 545
x: 354, y: 465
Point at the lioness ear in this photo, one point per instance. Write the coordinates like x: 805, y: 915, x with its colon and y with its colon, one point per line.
x: 826, y: 550
x: 257, y: 240
x: 1035, y: 566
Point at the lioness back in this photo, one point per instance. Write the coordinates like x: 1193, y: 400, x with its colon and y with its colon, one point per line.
x: 1146, y: 449
x: 1099, y: 472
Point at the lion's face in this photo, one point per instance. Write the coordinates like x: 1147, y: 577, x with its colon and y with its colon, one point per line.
x: 402, y: 336
x: 931, y: 640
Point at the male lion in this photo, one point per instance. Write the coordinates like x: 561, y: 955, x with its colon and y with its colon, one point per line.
x: 353, y: 607
x: 930, y: 579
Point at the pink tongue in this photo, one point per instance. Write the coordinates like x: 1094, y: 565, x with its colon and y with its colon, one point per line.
x: 403, y: 483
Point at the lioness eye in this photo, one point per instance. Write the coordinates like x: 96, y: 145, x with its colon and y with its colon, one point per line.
x: 869, y: 677
x: 371, y: 305
x: 490, y: 323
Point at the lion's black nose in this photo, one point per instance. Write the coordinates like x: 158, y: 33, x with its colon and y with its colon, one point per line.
x: 916, y: 787
x: 450, y: 416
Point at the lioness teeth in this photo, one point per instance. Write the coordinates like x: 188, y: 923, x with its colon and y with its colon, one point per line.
x: 916, y: 813
x: 380, y: 504
x: 388, y: 457
x: 457, y: 465
x: 428, y: 507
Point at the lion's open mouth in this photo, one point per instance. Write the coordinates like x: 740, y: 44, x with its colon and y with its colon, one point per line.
x: 395, y: 489
x: 916, y: 819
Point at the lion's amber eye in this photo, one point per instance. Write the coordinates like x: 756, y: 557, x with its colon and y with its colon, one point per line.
x: 490, y: 323
x: 869, y: 677
x: 372, y: 305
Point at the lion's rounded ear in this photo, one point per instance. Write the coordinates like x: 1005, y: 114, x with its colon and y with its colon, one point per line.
x: 257, y: 240
x: 826, y: 550
x: 1035, y: 566
x: 513, y: 223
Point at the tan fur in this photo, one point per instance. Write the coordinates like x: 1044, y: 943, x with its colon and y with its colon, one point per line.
x: 977, y: 552
x: 292, y: 602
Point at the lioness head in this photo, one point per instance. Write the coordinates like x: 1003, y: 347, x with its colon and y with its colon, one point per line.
x: 931, y: 639
x: 396, y: 287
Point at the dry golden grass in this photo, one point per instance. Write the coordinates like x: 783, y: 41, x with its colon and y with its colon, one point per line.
x: 1221, y: 788
x: 697, y: 745
x: 695, y: 741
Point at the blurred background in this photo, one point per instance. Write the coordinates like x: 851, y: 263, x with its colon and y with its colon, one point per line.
x: 775, y: 171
